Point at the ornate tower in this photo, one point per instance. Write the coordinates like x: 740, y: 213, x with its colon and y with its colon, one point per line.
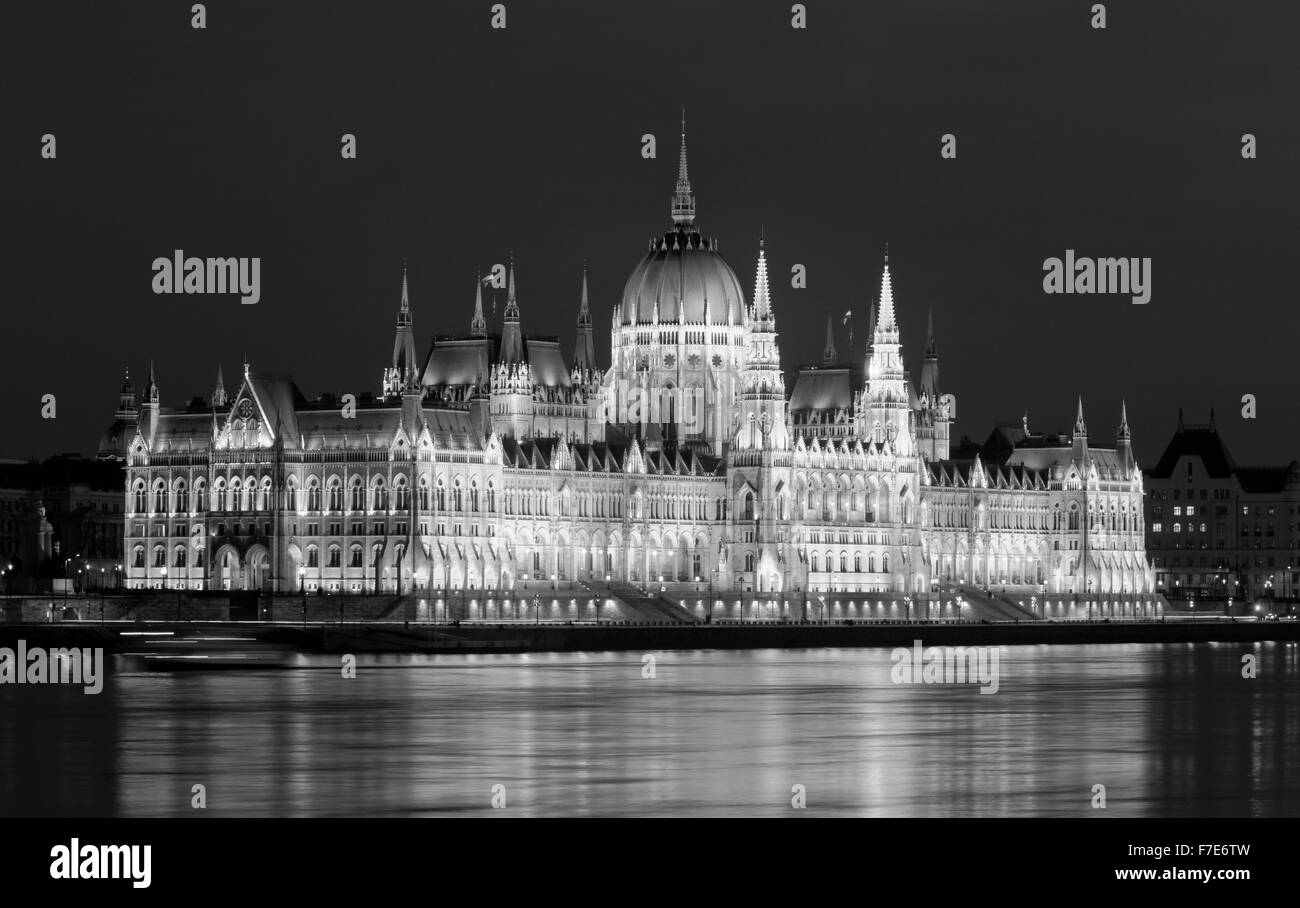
x: 512, y: 342
x: 584, y: 347
x: 886, y: 407
x: 759, y: 456
x: 150, y: 407
x: 829, y: 355
x: 478, y: 324
x: 403, y: 368
x: 219, y: 392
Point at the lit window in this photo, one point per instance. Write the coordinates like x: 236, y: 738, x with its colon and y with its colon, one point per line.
x: 1178, y: 527
x: 1178, y: 511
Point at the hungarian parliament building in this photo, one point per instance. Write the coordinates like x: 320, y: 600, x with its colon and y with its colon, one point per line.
x: 492, y: 464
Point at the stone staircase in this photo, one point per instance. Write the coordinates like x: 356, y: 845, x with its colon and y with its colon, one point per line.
x: 986, y: 607
x: 649, y: 606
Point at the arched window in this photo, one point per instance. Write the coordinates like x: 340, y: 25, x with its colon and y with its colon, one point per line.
x: 491, y: 498
x: 141, y: 500
x: 844, y: 562
x: 884, y: 563
x: 440, y: 496
x: 178, y: 556
x: 354, y: 557
x: 358, y: 496
x: 138, y: 556
x: 159, y: 556
x: 160, y: 499
x: 380, y: 496
x: 334, y: 556
x: 423, y: 494
x: 457, y: 499
x: 200, y: 496
x: 182, y: 499
x: 857, y: 562
x: 747, y: 507
x: 402, y: 494
x: 473, y: 496
x: 313, y: 556
x: 313, y: 494
x: 336, y: 495
x: 815, y: 564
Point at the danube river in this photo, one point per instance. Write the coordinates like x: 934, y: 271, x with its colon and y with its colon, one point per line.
x: 1168, y: 729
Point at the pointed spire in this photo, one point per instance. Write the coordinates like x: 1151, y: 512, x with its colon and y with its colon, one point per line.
x: 478, y: 324
x: 151, y: 387
x: 512, y: 303
x: 1123, y: 416
x: 885, y: 318
x: 829, y: 356
x: 584, y: 311
x: 584, y: 347
x: 1080, y: 428
x: 683, y: 198
x: 762, y: 295
x: 219, y: 393
x: 930, y: 348
x: 406, y: 301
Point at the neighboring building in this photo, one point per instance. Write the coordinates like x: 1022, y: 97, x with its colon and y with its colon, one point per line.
x: 1215, y: 529
x: 684, y: 463
x: 61, y: 516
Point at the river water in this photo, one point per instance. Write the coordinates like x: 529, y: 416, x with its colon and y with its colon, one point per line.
x: 1168, y: 729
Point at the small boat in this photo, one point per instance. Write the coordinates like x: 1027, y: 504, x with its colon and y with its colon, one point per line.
x: 207, y: 653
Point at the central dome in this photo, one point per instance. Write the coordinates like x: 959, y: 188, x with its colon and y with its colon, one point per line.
x: 679, y: 274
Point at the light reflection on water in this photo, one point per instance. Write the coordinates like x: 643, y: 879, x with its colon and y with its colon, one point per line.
x: 1169, y: 729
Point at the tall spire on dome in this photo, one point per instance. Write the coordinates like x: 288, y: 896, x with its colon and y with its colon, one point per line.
x: 829, y: 355
x: 683, y: 198
x: 930, y: 349
x: 478, y: 324
x: 1080, y: 428
x: 762, y: 295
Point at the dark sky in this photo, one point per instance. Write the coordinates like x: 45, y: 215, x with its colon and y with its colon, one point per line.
x: 474, y: 142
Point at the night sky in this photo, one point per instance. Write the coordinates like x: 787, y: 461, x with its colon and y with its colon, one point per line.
x: 473, y: 143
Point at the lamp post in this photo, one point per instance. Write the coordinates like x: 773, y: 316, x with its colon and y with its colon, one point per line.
x: 302, y: 590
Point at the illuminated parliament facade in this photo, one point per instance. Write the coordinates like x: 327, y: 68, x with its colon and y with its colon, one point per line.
x: 493, y: 464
